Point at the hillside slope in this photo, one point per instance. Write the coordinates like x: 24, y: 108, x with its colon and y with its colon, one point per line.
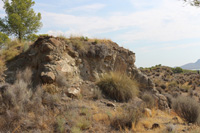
x: 53, y: 87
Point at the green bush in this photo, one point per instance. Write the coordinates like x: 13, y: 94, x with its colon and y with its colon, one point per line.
x: 118, y: 86
x: 187, y: 108
x: 3, y: 38
x: 177, y: 70
x: 32, y: 37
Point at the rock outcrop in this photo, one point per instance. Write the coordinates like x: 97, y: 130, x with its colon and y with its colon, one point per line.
x: 78, y: 60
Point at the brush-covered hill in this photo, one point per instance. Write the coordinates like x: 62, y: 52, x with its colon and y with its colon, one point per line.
x: 77, y: 85
x: 170, y: 82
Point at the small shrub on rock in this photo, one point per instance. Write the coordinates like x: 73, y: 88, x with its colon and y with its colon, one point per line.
x: 97, y: 94
x: 118, y: 86
x: 187, y: 108
x: 149, y: 100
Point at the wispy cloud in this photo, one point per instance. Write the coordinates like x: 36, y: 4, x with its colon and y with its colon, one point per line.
x: 179, y: 46
x: 169, y: 22
x: 167, y: 47
x: 87, y: 8
x: 46, y: 5
x: 83, y: 24
x: 145, y: 4
x: 153, y: 27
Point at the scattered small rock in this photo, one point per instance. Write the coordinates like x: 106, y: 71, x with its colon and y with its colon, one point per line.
x: 110, y: 104
x: 163, y: 86
x: 184, y: 130
x: 155, y: 125
x: 175, y: 119
x: 189, y: 124
x: 171, y: 128
x: 48, y: 77
x: 148, y: 112
x: 73, y: 92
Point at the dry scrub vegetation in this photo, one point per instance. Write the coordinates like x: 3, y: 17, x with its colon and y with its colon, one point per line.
x: 114, y: 103
x: 13, y: 48
x: 81, y: 43
x: 118, y: 86
x: 24, y: 108
x: 187, y: 108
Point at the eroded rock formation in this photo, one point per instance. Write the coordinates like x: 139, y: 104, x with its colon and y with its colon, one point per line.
x: 49, y: 57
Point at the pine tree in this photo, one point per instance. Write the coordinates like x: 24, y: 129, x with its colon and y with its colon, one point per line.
x: 21, y: 20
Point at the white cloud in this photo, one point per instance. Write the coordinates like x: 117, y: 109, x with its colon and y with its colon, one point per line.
x: 179, y: 46
x: 170, y: 21
x: 167, y: 47
x: 145, y: 3
x: 81, y: 24
x: 87, y: 8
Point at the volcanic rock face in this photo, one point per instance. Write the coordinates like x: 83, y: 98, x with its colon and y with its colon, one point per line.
x: 49, y: 56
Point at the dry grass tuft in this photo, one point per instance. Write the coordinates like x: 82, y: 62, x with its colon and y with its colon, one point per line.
x: 14, y: 48
x: 149, y: 100
x: 97, y: 94
x: 2, y: 68
x: 79, y: 44
x: 187, y: 108
x: 50, y: 88
x: 26, y: 76
x: 126, y: 119
x: 60, y: 125
x: 118, y: 86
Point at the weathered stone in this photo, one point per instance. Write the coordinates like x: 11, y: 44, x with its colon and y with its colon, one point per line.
x: 148, y: 112
x: 110, y: 104
x: 162, y: 101
x: 46, y: 47
x: 48, y: 77
x: 73, y: 92
x: 171, y: 128
x: 55, y: 42
x: 48, y: 58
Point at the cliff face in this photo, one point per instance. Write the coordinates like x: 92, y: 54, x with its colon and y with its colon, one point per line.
x: 78, y: 60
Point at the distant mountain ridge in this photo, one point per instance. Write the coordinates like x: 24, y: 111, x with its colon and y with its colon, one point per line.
x: 192, y: 66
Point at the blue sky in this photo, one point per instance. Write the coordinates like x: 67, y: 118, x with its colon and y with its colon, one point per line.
x: 163, y: 32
